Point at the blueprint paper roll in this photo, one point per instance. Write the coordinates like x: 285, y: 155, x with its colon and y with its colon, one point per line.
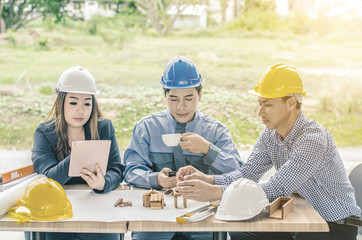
x: 11, y: 196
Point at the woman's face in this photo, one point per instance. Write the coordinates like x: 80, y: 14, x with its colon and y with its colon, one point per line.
x: 77, y: 109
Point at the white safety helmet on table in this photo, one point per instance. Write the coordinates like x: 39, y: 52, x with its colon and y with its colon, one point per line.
x: 243, y: 199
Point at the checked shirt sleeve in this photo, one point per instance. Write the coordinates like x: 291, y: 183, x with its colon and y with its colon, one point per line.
x: 304, y: 160
x: 257, y: 164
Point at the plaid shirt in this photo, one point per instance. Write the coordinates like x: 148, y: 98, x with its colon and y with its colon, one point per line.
x: 307, y: 162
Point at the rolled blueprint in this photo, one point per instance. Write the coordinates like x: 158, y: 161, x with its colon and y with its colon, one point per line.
x: 11, y: 196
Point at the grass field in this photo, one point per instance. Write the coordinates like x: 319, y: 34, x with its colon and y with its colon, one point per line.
x: 128, y: 72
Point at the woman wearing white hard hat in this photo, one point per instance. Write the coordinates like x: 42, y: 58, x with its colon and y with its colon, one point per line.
x: 76, y: 116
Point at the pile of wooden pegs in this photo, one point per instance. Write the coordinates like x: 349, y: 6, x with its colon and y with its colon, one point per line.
x: 121, y: 203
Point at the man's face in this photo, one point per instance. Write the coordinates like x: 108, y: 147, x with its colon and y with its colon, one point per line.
x: 182, y: 103
x: 274, y: 112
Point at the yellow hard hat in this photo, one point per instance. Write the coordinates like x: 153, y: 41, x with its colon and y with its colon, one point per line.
x: 277, y: 81
x: 44, y: 200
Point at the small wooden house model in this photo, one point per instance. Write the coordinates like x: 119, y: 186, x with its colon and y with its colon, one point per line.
x: 153, y: 199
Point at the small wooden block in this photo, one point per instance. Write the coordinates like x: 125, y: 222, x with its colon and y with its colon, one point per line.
x: 185, y: 202
x: 281, y: 207
x: 175, y: 202
x: 118, y: 202
x: 168, y: 191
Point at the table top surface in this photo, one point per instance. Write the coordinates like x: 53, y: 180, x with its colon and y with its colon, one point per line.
x: 304, y: 218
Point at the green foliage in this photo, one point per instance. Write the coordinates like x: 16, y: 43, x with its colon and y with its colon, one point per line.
x: 130, y: 16
x: 157, y: 13
x: 43, y: 43
x: 327, y: 25
x: 341, y: 98
x: 49, y: 24
x: 300, y: 23
x: 260, y: 5
x: 18, y: 136
x: 256, y: 20
x: 111, y: 30
x: 128, y: 116
x: 16, y: 14
x: 132, y: 20
x: 344, y: 129
x: 324, y: 25
x: 127, y: 6
x: 128, y: 76
x: 23, y: 114
x: 10, y: 36
x: 92, y: 26
x: 45, y: 89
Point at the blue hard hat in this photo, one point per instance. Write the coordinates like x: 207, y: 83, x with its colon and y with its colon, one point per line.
x: 181, y: 72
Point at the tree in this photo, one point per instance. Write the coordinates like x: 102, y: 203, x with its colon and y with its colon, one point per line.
x: 2, y: 22
x: 14, y: 14
x: 224, y: 6
x: 157, y: 12
x: 260, y: 4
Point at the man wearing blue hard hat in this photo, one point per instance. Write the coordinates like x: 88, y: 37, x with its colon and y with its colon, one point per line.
x: 206, y: 144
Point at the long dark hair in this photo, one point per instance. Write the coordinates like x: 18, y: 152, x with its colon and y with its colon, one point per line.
x: 56, y: 117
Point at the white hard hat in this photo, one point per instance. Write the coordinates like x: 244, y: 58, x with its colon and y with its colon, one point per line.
x: 243, y: 199
x: 76, y: 80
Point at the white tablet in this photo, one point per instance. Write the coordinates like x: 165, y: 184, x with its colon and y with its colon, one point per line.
x: 85, y: 154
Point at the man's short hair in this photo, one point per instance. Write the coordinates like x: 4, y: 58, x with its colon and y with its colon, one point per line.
x: 299, y: 104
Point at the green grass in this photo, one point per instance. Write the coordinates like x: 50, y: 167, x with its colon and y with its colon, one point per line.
x: 128, y: 76
x: 345, y: 130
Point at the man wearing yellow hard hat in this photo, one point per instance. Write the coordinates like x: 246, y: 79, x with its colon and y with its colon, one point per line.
x: 303, y: 153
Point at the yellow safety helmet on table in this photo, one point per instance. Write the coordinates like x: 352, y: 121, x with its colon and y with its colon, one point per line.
x: 44, y: 200
x: 277, y: 81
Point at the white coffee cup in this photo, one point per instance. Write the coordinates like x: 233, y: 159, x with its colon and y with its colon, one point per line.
x: 171, y: 140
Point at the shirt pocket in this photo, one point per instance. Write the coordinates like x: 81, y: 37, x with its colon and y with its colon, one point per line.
x: 198, y: 163
x: 162, y: 160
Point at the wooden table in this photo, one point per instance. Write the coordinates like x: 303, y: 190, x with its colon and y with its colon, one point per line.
x: 63, y: 226
x: 303, y: 219
x: 66, y: 226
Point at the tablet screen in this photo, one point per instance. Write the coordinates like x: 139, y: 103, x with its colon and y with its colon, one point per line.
x: 85, y: 154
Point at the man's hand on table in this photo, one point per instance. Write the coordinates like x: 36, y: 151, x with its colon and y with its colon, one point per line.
x: 197, y: 185
x: 164, y: 180
x: 199, y: 190
x: 191, y: 173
